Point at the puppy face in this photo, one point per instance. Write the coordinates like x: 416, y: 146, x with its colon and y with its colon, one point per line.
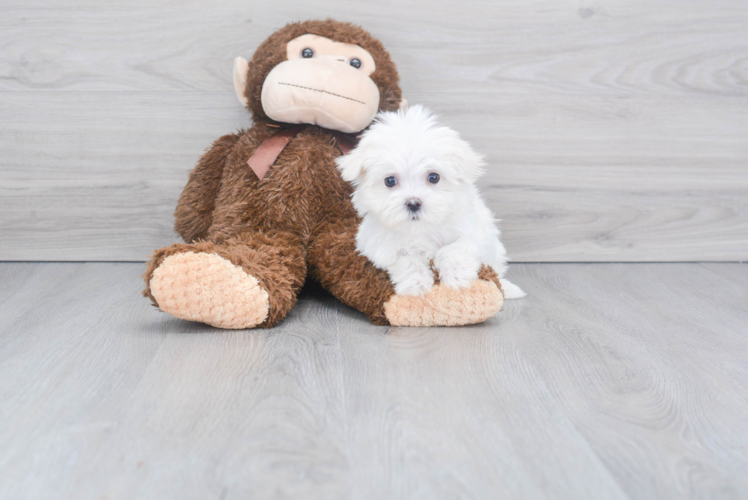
x: 410, y: 172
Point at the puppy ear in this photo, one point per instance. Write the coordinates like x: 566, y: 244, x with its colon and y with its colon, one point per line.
x: 468, y: 163
x: 351, y: 166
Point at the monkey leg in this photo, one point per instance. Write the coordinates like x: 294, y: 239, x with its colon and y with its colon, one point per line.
x: 245, y: 281
x: 355, y: 281
x: 444, y: 306
x: 349, y: 276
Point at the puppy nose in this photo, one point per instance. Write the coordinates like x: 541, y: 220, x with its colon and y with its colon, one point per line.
x: 413, y: 204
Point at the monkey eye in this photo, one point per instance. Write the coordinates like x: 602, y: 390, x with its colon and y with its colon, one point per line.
x: 390, y: 181
x: 356, y: 63
x: 307, y: 53
x: 433, y: 177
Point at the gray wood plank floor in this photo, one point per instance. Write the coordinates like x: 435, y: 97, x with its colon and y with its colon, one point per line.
x: 607, y: 381
x: 615, y: 130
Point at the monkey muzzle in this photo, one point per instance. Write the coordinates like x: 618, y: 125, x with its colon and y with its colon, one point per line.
x: 320, y: 91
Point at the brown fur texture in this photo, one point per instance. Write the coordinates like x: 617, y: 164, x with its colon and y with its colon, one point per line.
x: 299, y: 219
x: 194, y: 213
x: 273, y: 51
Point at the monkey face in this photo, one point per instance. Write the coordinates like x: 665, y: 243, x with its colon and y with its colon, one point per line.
x: 326, y: 73
x: 323, y: 83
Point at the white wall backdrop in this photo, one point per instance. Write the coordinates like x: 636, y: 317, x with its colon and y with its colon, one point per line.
x: 615, y: 130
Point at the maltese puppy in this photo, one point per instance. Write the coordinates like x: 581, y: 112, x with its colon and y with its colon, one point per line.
x: 415, y: 192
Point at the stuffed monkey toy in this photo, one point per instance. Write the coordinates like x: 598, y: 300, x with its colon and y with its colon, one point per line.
x: 266, y: 208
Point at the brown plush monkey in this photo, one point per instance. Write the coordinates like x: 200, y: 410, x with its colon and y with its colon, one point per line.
x: 266, y: 207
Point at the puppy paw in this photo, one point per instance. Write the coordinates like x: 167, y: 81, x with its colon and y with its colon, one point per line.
x: 458, y: 277
x: 418, y: 282
x: 456, y: 270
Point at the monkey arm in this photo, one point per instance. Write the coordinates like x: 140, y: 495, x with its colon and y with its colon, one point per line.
x: 194, y: 213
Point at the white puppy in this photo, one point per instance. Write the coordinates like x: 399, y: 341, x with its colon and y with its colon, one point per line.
x: 415, y: 192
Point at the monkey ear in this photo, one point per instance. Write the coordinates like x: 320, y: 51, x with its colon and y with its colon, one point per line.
x: 241, y: 68
x: 403, y: 105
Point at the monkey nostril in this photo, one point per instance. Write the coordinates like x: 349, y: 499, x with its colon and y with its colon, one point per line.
x: 413, y: 204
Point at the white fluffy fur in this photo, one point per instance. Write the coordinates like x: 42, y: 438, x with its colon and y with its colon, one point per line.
x: 454, y: 227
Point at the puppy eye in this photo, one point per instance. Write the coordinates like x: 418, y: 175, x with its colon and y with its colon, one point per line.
x: 356, y: 63
x: 307, y: 53
x: 390, y: 181
x: 433, y: 178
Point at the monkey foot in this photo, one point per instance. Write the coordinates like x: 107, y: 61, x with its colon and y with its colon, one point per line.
x: 444, y: 306
x: 210, y: 289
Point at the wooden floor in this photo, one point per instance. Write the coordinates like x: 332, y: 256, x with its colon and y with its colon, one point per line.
x: 608, y: 381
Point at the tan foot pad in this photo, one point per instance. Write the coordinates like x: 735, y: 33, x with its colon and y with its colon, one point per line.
x: 444, y: 306
x: 207, y: 288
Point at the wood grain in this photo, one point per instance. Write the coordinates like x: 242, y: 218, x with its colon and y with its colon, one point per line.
x: 90, y: 388
x: 615, y: 130
x: 673, y: 47
x: 608, y: 381
x: 77, y: 185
